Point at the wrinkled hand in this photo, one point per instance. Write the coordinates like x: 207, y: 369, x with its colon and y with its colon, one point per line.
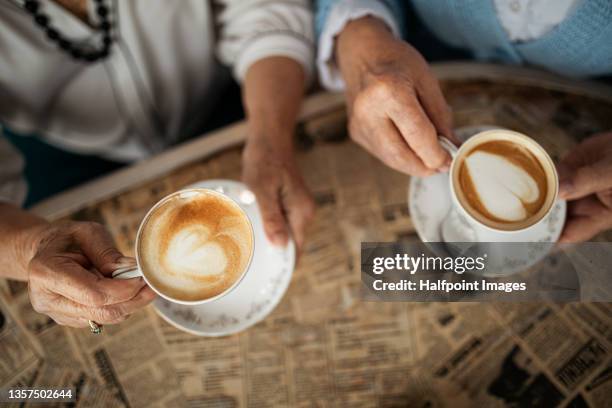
x: 586, y: 181
x: 284, y: 200
x: 396, y: 108
x: 69, y: 277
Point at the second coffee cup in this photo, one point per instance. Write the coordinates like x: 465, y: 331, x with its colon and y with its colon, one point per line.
x: 502, y: 183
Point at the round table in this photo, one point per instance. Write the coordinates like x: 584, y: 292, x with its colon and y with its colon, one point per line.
x: 323, y: 346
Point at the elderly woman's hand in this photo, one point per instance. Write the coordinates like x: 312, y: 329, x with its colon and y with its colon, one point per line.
x: 586, y: 182
x: 396, y: 108
x: 272, y: 94
x: 69, y: 277
x: 286, y: 205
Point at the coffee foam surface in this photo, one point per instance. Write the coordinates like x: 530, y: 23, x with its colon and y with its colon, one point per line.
x: 195, y: 248
x: 503, y: 181
x: 502, y: 186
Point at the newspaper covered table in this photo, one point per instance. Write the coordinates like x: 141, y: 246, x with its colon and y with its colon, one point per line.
x: 322, y: 346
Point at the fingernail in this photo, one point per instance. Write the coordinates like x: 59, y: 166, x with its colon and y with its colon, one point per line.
x: 444, y: 169
x: 565, y: 188
x: 279, y: 239
x: 125, y: 261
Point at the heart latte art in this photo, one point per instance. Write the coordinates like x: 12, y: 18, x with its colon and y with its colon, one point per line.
x: 196, y: 247
x: 503, y: 182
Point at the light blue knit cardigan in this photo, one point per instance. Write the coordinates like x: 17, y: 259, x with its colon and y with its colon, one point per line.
x: 579, y: 46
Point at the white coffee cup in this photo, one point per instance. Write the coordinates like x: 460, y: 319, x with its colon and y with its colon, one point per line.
x: 460, y: 225
x: 136, y: 271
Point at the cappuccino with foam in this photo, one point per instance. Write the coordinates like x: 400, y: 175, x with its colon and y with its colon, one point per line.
x: 504, y: 180
x: 195, y: 245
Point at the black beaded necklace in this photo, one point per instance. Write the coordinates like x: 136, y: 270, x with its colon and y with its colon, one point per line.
x: 90, y: 55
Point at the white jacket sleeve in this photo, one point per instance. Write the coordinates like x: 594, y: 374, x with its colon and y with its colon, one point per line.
x: 256, y: 29
x: 13, y: 187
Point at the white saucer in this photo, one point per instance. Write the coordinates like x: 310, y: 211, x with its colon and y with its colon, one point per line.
x: 255, y: 297
x: 429, y: 203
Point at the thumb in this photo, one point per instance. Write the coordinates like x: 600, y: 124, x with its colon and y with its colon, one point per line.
x: 584, y: 180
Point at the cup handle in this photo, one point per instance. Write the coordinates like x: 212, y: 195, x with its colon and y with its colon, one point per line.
x: 127, y: 272
x: 448, y: 146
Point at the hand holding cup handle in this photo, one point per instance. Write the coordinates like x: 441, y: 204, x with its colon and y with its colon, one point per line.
x: 122, y: 273
x: 449, y: 146
x: 127, y: 272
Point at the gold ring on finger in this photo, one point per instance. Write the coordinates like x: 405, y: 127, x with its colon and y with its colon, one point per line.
x: 94, y: 327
